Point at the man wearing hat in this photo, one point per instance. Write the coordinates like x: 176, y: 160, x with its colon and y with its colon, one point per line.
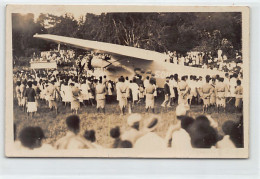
x: 134, y: 133
x: 177, y: 134
x: 151, y: 140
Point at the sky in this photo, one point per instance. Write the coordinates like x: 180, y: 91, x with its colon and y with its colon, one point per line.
x: 61, y: 10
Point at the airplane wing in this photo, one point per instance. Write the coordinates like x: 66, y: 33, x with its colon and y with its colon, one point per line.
x: 103, y: 47
x: 125, y: 60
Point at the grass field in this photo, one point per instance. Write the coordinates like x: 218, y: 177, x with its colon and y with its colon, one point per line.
x: 54, y: 127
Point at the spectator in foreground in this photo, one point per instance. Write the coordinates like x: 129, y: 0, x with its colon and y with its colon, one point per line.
x: 134, y: 133
x: 237, y: 133
x: 73, y: 140
x: 177, y: 135
x: 150, y: 141
x: 90, y: 135
x: 181, y: 139
x: 115, y: 134
x: 125, y: 144
x: 202, y: 134
x: 31, y: 139
x: 226, y: 142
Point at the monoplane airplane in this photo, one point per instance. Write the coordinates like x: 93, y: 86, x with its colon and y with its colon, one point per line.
x: 125, y: 60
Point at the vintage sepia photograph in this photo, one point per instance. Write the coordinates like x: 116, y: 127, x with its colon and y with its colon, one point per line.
x: 127, y: 81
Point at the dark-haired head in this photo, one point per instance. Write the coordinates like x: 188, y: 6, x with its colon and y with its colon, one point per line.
x: 237, y: 134
x: 238, y: 82
x: 121, y: 79
x: 125, y: 144
x: 208, y: 79
x: 186, y: 122
x: 227, y: 127
x: 90, y: 135
x: 18, y: 83
x: 73, y: 123
x: 115, y: 132
x: 31, y: 137
x: 202, y: 135
x: 221, y: 79
x: 235, y: 75
x: 226, y: 75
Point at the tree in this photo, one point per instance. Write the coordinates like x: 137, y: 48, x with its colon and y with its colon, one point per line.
x: 162, y: 32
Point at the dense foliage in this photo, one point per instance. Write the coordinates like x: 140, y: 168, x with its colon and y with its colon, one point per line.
x: 161, y: 32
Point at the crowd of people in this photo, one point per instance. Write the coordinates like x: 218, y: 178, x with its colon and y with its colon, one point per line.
x: 185, y: 133
x: 61, y: 57
x: 207, y: 60
x: 68, y: 87
x: 68, y: 57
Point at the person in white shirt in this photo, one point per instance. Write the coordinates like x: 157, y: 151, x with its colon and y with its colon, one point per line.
x: 73, y: 140
x: 150, y: 141
x: 146, y: 81
x: 177, y: 135
x: 193, y: 89
x: 122, y: 91
x: 181, y: 138
x: 127, y: 82
x: 135, y: 90
x: 84, y: 94
x: 226, y: 142
x: 133, y: 133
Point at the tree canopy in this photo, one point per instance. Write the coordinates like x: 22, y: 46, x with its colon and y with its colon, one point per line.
x: 162, y: 32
